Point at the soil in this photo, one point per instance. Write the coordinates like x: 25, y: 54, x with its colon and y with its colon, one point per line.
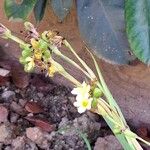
x: 42, y: 116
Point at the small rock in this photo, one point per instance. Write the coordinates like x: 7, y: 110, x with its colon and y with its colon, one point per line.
x: 40, y: 95
x: 5, y: 132
x: 3, y: 114
x: 36, y: 135
x: 17, y: 108
x: 7, y: 95
x: 107, y: 143
x: 18, y: 143
x: 30, y: 145
x: 13, y: 117
x: 86, y: 125
x: 22, y: 102
x: 4, y: 72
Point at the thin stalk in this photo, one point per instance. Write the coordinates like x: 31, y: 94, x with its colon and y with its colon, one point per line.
x: 17, y: 40
x: 83, y: 136
x: 75, y: 64
x: 58, y: 53
x: 60, y: 69
x: 142, y: 140
x: 80, y: 60
x: 70, y: 77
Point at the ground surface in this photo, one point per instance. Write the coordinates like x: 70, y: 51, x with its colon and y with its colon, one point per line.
x: 36, y: 113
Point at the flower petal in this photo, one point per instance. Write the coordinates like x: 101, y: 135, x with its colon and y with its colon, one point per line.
x: 81, y: 110
x: 76, y: 104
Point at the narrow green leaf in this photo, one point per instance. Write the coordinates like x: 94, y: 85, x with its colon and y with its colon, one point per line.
x: 61, y: 7
x: 137, y: 15
x: 39, y: 9
x: 18, y: 11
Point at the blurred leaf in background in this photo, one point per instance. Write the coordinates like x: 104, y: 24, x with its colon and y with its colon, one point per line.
x: 18, y: 11
x: 39, y: 9
x: 137, y: 15
x: 61, y: 7
x: 102, y: 26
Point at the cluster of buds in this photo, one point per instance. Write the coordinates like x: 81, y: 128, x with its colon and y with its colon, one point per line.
x: 38, y: 53
x: 35, y: 54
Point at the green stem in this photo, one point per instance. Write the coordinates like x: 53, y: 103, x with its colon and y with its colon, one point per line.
x: 58, y: 53
x: 70, y: 77
x: 75, y: 64
x: 63, y: 72
x: 80, y: 60
x: 17, y: 40
x: 144, y: 141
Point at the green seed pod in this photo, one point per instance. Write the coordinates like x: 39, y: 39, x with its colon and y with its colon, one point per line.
x: 94, y: 103
x: 42, y: 45
x: 47, y: 54
x: 22, y: 60
x: 97, y: 93
x: 26, y: 53
x: 25, y: 46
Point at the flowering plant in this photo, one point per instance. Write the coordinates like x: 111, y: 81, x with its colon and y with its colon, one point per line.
x: 92, y: 94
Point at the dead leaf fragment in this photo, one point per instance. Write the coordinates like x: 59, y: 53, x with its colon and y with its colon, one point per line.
x: 33, y: 107
x: 19, y: 76
x: 44, y: 125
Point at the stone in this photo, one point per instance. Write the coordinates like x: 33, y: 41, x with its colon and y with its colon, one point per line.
x: 7, y: 95
x: 3, y: 114
x: 18, y: 143
x: 5, y: 132
x: 107, y: 143
x: 36, y: 135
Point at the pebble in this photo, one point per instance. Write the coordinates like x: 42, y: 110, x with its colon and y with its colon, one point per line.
x: 107, y: 143
x: 37, y: 136
x: 40, y: 95
x: 13, y: 117
x: 5, y: 132
x: 7, y: 95
x: 18, y: 143
x: 3, y: 114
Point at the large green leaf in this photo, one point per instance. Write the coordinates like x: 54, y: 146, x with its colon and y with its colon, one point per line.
x: 39, y: 9
x: 18, y: 11
x: 61, y: 7
x: 102, y: 26
x: 137, y: 15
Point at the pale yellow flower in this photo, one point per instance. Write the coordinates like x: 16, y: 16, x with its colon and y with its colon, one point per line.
x: 82, y: 91
x: 83, y: 104
x: 84, y: 101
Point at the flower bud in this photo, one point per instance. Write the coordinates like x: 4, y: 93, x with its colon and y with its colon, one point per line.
x: 32, y: 30
x: 97, y: 93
